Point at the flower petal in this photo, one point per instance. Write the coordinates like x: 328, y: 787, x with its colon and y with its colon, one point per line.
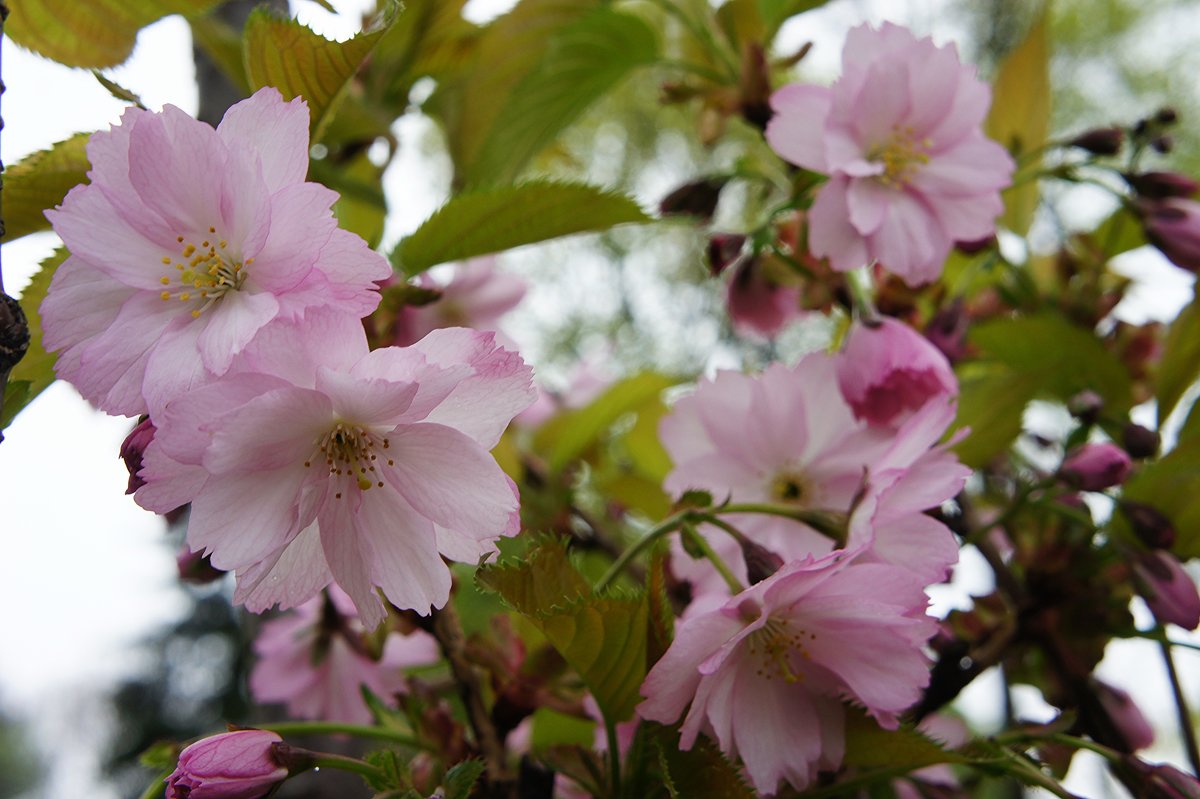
x: 278, y: 131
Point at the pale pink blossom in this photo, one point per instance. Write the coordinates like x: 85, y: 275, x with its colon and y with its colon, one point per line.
x: 232, y: 765
x: 477, y: 295
x: 766, y: 672
x: 315, y: 660
x: 887, y: 371
x: 788, y: 437
x: 910, y: 171
x: 186, y: 243
x: 364, y: 468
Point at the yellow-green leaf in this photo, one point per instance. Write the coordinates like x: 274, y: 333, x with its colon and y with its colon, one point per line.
x: 34, y: 372
x: 1020, y: 117
x: 283, y: 53
x: 1180, y: 364
x: 1172, y: 486
x: 39, y: 182
x: 89, y: 33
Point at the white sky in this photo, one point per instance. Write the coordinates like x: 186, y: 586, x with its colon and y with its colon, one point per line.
x: 86, y: 573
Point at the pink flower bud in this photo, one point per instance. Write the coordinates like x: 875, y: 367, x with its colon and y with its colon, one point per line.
x: 888, y: 371
x: 1161, y: 185
x: 1168, y: 589
x: 723, y: 250
x: 196, y: 567
x: 1149, y: 524
x: 1095, y: 467
x: 1173, y: 226
x: 1100, y: 141
x: 131, y: 452
x: 1163, y: 781
x: 233, y: 765
x: 1127, y: 720
x: 1139, y: 441
x: 760, y: 306
x: 698, y: 198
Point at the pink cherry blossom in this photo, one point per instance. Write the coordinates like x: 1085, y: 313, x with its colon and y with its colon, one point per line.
x: 887, y: 371
x: 1173, y: 226
x: 765, y: 673
x: 910, y: 171
x: 477, y: 296
x: 363, y: 468
x: 760, y: 306
x: 1167, y: 588
x: 1127, y: 719
x: 1096, y: 466
x: 232, y: 765
x: 315, y: 660
x: 186, y: 243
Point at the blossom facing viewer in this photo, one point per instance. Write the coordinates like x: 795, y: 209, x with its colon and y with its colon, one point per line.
x: 765, y: 672
x: 899, y: 135
x: 232, y: 765
x: 186, y: 243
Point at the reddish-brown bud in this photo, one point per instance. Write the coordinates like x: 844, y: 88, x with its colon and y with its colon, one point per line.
x: 698, y: 198
x: 1161, y: 185
x: 1100, y: 141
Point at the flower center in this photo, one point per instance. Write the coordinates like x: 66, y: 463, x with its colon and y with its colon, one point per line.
x: 788, y: 486
x: 350, y: 452
x: 202, y: 273
x: 776, y: 644
x: 902, y: 156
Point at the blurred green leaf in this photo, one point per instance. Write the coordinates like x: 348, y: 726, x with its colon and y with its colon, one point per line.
x: 95, y: 33
x: 1020, y: 117
x: 870, y: 746
x: 39, y: 182
x: 117, y: 90
x: 35, y: 371
x: 701, y: 771
x: 991, y: 403
x: 777, y: 12
x: 1172, y: 486
x: 491, y: 220
x: 645, y: 450
x: 281, y: 52
x: 1180, y: 363
x: 461, y: 778
x: 552, y: 728
x: 1120, y: 232
x: 582, y: 62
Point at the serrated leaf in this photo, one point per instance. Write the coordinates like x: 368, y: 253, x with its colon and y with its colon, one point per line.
x: 461, y: 778
x: 661, y: 630
x: 1120, y: 232
x: 96, y: 33
x: 582, y: 62
x: 1172, y: 486
x: 36, y: 369
x: 491, y: 220
x: 777, y: 12
x: 39, y: 182
x: 393, y: 772
x: 870, y: 746
x: 701, y: 771
x: 540, y: 581
x: 117, y: 90
x: 281, y: 52
x: 1180, y: 364
x: 569, y: 435
x: 1020, y: 117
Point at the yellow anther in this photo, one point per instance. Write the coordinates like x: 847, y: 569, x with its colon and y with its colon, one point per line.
x: 166, y: 295
x: 188, y: 250
x: 196, y: 284
x: 196, y: 314
x: 223, y: 244
x: 184, y: 297
x: 212, y: 230
x: 166, y: 281
x: 166, y: 259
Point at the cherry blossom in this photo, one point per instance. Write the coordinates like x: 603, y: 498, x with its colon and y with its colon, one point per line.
x: 232, y: 765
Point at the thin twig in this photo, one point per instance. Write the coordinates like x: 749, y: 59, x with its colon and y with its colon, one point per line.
x: 1181, y: 707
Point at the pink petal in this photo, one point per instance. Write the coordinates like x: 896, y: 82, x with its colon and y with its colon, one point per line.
x: 672, y: 683
x: 295, y: 348
x: 910, y: 242
x: 366, y: 400
x: 867, y: 201
x: 300, y: 225
x: 777, y: 729
x: 242, y: 519
x: 406, y: 565
x: 278, y: 131
x: 169, y: 483
x: 173, y: 173
x: 830, y: 234
x: 797, y: 130
x: 231, y: 324
x: 349, y: 556
x: 288, y: 577
x: 255, y: 440
x: 82, y: 302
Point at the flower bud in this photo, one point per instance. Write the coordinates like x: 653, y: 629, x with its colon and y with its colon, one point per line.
x: 1173, y: 226
x: 1126, y: 719
x: 759, y: 305
x: 1166, y: 115
x: 1161, y: 185
x: 761, y: 562
x: 1139, y: 442
x: 1095, y: 467
x: 132, y: 449
x: 947, y: 330
x: 1086, y: 406
x: 196, y: 568
x: 1163, y: 143
x: 1167, y: 588
x: 1149, y: 524
x: 1100, y: 141
x: 698, y: 198
x: 1163, y: 781
x: 233, y: 765
x: 723, y: 250
x: 889, y: 371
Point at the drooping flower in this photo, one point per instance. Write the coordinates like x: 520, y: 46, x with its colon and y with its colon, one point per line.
x: 765, y: 672
x: 186, y: 243
x: 232, y: 765
x: 760, y: 305
x: 1096, y: 466
x: 1173, y: 226
x: 910, y: 171
x: 476, y: 296
x: 1167, y: 588
x: 888, y: 371
x: 339, y: 464
x: 315, y: 660
x: 1126, y: 718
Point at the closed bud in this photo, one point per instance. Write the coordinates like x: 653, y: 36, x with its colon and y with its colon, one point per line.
x: 132, y: 449
x: 1163, y: 781
x: 1166, y: 116
x: 1100, y: 141
x: 196, y: 568
x: 1167, y: 588
x: 1163, y: 143
x: 233, y: 765
x: 761, y: 562
x: 1138, y: 441
x: 724, y: 249
x: 1149, y: 524
x: 698, y: 198
x: 1095, y: 467
x: 1161, y: 185
x: 1124, y: 717
x: 1086, y: 406
x: 1173, y: 226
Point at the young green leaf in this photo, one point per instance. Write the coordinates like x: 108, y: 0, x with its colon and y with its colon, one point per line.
x: 461, y: 778
x: 39, y: 182
x: 1172, y: 485
x: 701, y: 771
x: 35, y: 371
x: 491, y: 220
x: 870, y: 746
x: 1180, y: 364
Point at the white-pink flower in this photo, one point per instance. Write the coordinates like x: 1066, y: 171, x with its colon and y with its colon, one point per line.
x: 315, y: 661
x: 766, y: 673
x: 186, y: 243
x: 476, y: 296
x: 910, y: 171
x: 332, y: 463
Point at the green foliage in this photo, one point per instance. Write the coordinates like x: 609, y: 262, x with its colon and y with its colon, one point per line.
x: 1120, y: 232
x: 283, y: 53
x: 870, y: 746
x: 701, y: 772
x: 35, y: 371
x: 582, y: 63
x: 1180, y: 364
x: 461, y: 778
x: 39, y: 182
x: 603, y: 638
x: 491, y: 220
x: 1172, y: 485
x: 1020, y: 117
x: 430, y: 38
x: 95, y: 33
x: 1023, y: 358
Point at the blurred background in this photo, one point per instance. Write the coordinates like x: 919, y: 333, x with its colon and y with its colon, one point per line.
x: 104, y: 651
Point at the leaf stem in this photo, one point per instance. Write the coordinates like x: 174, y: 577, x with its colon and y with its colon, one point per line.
x: 1181, y: 706
x: 351, y: 764
x: 338, y: 728
x: 701, y: 543
x: 614, y: 755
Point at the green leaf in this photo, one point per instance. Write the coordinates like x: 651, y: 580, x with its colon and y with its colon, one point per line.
x: 39, y: 182
x: 36, y: 369
x: 603, y: 638
x: 568, y: 436
x: 991, y: 403
x: 117, y: 90
x: 1020, y: 117
x: 491, y: 220
x: 777, y: 12
x: 95, y: 33
x: 1120, y: 232
x: 281, y: 52
x: 701, y: 771
x: 1180, y: 364
x: 583, y: 61
x: 1172, y: 486
x: 870, y: 746
x: 461, y: 778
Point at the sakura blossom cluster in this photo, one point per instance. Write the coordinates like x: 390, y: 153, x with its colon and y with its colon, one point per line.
x: 209, y: 286
x: 852, y: 438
